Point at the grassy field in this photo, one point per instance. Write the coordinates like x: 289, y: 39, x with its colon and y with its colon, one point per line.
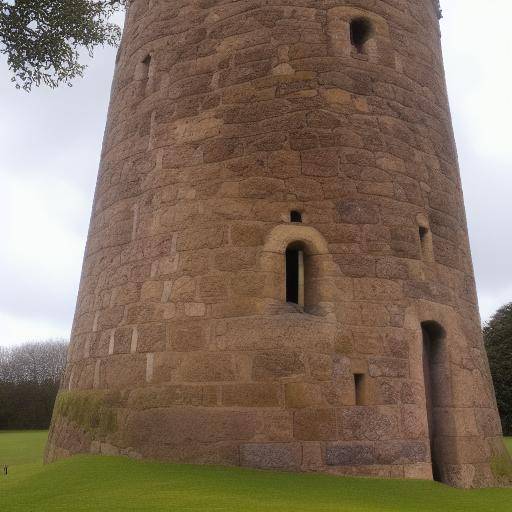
x: 99, y: 484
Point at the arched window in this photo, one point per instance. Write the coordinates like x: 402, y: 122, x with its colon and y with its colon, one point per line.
x: 295, y: 216
x: 433, y: 336
x: 361, y: 31
x: 295, y: 274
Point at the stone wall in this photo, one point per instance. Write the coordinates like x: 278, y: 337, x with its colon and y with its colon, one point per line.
x: 225, y: 116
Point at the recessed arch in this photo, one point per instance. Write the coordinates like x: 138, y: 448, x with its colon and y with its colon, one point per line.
x: 433, y: 339
x: 283, y: 235
x: 298, y: 258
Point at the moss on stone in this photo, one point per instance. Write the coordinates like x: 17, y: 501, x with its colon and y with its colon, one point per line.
x: 91, y: 410
x: 501, y: 466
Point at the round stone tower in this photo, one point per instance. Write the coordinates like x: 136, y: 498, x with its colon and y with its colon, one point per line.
x: 277, y: 273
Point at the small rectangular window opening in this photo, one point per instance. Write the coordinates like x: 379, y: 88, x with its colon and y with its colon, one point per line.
x: 295, y: 216
x: 146, y: 63
x: 360, y: 385
x: 361, y: 31
x: 427, y: 252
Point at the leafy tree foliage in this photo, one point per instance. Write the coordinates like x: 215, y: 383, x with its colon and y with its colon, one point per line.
x: 29, y: 380
x: 42, y: 38
x: 498, y: 342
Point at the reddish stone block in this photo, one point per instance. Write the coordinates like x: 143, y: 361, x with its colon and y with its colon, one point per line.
x: 314, y: 425
x: 151, y: 337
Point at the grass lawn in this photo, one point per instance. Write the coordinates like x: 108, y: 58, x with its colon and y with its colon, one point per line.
x: 97, y: 484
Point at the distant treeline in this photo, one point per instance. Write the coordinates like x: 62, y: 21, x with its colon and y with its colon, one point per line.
x: 29, y: 380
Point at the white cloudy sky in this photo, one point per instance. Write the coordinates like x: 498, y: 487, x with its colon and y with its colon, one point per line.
x: 50, y: 143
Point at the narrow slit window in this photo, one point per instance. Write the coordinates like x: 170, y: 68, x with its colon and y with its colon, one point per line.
x: 295, y: 276
x: 360, y: 391
x: 427, y: 251
x: 434, y: 374
x: 146, y: 63
x: 360, y: 32
x: 295, y: 216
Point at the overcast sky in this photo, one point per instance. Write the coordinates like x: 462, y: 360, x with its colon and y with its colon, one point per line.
x: 50, y: 143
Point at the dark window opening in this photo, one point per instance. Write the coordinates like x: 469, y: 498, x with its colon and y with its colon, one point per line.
x: 360, y: 32
x: 146, y: 63
x: 427, y: 251
x: 295, y: 216
x: 295, y: 275
x: 359, y: 382
x: 292, y: 276
x: 433, y: 369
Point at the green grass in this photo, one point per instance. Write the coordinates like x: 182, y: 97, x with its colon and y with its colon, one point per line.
x: 22, y: 447
x: 508, y: 442
x: 98, y: 484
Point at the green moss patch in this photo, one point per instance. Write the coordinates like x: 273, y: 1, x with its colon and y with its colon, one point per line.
x: 94, y: 411
x: 501, y: 467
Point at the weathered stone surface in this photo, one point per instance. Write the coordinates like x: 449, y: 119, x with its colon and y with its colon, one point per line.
x: 151, y: 337
x: 314, y: 425
x: 224, y: 119
x: 350, y: 454
x: 368, y: 424
x: 278, y: 365
x: 251, y: 395
x: 271, y: 456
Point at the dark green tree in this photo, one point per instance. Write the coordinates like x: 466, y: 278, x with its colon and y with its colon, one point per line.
x: 498, y: 342
x: 42, y: 39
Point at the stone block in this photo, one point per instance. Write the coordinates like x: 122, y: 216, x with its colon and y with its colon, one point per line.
x: 248, y: 235
x: 414, y: 423
x: 123, y: 340
x: 368, y: 423
x: 187, y: 336
x: 195, y: 309
x: 358, y: 211
x: 109, y: 318
x: 350, y: 454
x: 271, y: 455
x: 302, y: 394
x: 314, y: 425
x: 402, y: 452
x: 207, y: 367
x: 378, y: 290
x: 388, y: 367
x: 169, y: 396
x: 152, y: 337
x: 123, y: 371
x: 251, y: 395
x: 278, y: 365
x: 313, y: 458
x: 274, y: 425
x: 187, y: 426
x: 320, y: 367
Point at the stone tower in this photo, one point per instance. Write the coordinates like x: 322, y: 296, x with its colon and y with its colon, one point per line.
x: 277, y: 272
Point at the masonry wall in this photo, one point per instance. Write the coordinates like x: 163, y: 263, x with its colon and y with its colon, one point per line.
x: 225, y: 116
